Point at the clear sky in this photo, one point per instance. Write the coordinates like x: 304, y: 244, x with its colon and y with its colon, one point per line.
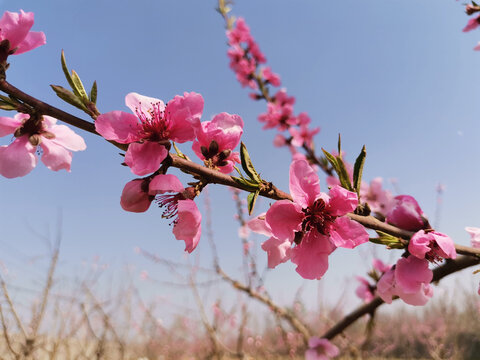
x: 398, y: 76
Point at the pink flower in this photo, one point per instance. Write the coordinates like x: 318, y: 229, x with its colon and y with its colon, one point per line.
x: 472, y: 24
x: 303, y: 135
x: 279, y: 112
x: 314, y: 221
x: 379, y: 200
x: 15, y: 35
x: 216, y: 139
x: 380, y: 266
x: 409, y: 280
x: 433, y: 246
x: 365, y: 290
x: 320, y: 349
x: 475, y: 236
x: 270, y: 76
x: 406, y: 214
x: 139, y: 193
x: 149, y: 131
x: 55, y: 141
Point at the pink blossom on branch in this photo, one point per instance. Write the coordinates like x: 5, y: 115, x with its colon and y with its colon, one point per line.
x: 15, y: 35
x: 432, y: 245
x: 472, y: 24
x: 150, y: 130
x: 31, y: 132
x: 406, y: 214
x: 475, y: 236
x: 216, y: 139
x: 314, y: 221
x: 139, y: 193
x: 320, y: 349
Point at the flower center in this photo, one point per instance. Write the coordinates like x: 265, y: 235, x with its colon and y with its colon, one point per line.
x: 155, y: 125
x: 317, y: 217
x: 34, y: 128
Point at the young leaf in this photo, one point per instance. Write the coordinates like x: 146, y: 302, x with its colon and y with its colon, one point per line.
x: 68, y: 96
x: 251, y: 200
x: 339, y: 145
x: 7, y: 106
x: 343, y: 175
x: 331, y: 159
x: 79, y: 86
x: 65, y: 70
x: 247, y: 164
x: 250, y: 185
x: 358, y: 170
x: 93, y: 93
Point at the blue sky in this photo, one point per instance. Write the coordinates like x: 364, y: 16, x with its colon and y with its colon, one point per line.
x: 397, y: 76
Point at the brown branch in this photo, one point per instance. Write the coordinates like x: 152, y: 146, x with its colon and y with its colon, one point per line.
x: 280, y: 311
x: 450, y: 267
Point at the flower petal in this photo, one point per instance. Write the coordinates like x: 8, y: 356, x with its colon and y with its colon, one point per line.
x: 161, y: 184
x: 15, y: 26
x: 18, y: 158
x: 55, y: 157
x: 183, y: 113
x: 341, y: 201
x: 260, y: 226
x: 188, y: 227
x: 347, y: 233
x: 446, y: 245
x: 67, y: 138
x: 33, y: 40
x: 304, y: 183
x: 284, y: 218
x: 118, y: 126
x: 9, y: 125
x: 411, y: 273
x: 145, y: 158
x: 311, y: 257
x: 134, y: 198
x: 278, y: 251
x: 142, y: 104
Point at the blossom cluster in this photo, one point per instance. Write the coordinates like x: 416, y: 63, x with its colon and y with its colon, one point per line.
x: 148, y: 132
x: 474, y: 22
x: 245, y: 59
x: 32, y: 132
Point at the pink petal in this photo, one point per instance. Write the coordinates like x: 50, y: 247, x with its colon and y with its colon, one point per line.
x: 304, y: 183
x: 341, y: 201
x: 33, y: 40
x: 419, y: 244
x: 18, y: 158
x: 380, y: 266
x: 419, y: 298
x: 161, y: 184
x: 474, y: 236
x: 119, y: 126
x: 55, y: 157
x: 347, y: 233
x: 471, y: 24
x: 386, y: 286
x: 260, y: 226
x: 446, y: 245
x: 145, y: 158
x: 406, y: 214
x: 184, y: 112
x: 231, y: 127
x: 278, y: 251
x: 411, y: 273
x: 134, y: 198
x: 67, y: 138
x: 284, y: 218
x: 9, y: 125
x: 188, y: 227
x: 143, y: 104
x: 15, y: 26
x: 311, y: 256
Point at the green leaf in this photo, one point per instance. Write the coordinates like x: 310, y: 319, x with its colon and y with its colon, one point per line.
x: 79, y: 86
x: 247, y: 164
x: 358, y: 170
x: 250, y: 185
x: 65, y: 70
x: 343, y: 175
x: 331, y: 159
x: 69, y: 97
x: 93, y: 93
x: 251, y: 200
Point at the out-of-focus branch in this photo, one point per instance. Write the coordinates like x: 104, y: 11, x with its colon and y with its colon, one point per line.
x: 280, y: 311
x: 450, y: 267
